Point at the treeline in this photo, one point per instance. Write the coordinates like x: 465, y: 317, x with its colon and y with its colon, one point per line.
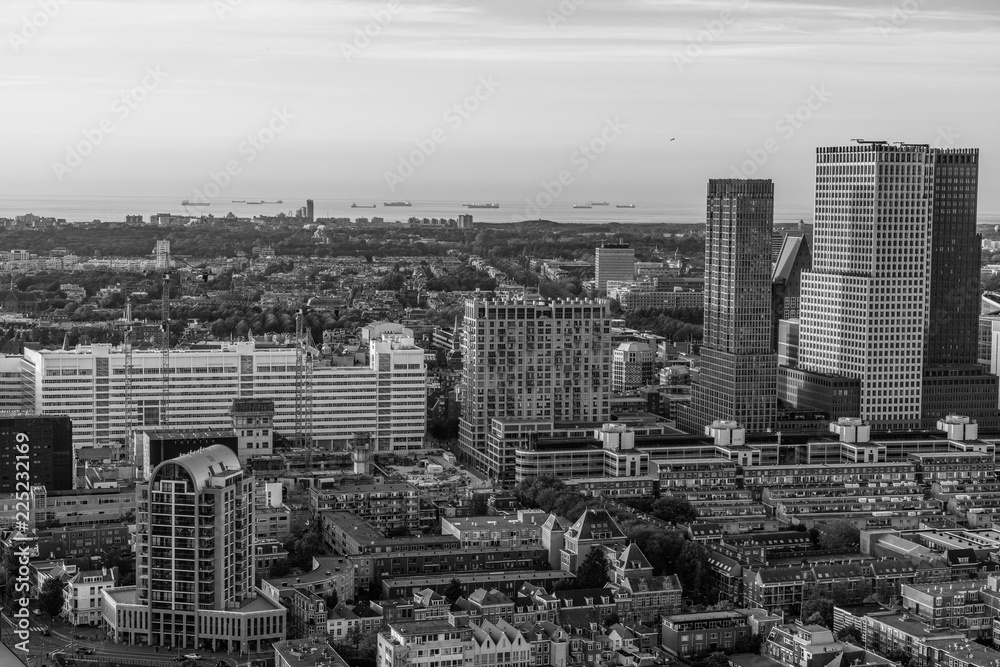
x: 224, y: 321
x: 226, y: 239
x: 464, y: 279
x: 676, y: 324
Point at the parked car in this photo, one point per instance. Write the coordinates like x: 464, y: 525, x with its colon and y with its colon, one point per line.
x: 192, y: 656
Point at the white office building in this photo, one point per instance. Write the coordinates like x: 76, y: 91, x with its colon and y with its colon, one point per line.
x: 385, y: 398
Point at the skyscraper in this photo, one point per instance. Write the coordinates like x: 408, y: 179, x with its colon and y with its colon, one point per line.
x: 310, y: 210
x: 613, y: 262
x: 892, y: 296
x: 537, y: 360
x: 194, y: 561
x: 738, y: 371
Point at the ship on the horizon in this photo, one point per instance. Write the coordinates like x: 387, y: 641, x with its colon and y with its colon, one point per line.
x: 239, y: 201
x: 624, y: 205
x: 582, y: 206
x: 353, y: 205
x: 475, y: 205
x: 396, y: 203
x: 255, y: 202
x: 194, y: 203
x: 599, y: 203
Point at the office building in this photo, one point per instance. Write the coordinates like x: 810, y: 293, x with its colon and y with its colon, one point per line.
x: 794, y: 257
x: 46, y: 441
x: 195, y: 563
x: 531, y: 359
x: 738, y: 373
x: 891, y: 299
x: 385, y: 398
x: 310, y: 210
x: 613, y: 262
x: 632, y: 366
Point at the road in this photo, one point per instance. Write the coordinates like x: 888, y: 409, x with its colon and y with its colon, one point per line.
x: 62, y: 639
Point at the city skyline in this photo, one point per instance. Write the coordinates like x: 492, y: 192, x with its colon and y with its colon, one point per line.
x: 533, y: 84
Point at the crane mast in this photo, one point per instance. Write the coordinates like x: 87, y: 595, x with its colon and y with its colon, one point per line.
x: 304, y: 351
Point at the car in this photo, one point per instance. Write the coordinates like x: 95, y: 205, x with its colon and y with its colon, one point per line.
x: 192, y: 656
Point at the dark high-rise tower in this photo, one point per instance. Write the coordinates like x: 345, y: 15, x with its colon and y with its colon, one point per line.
x: 738, y: 371
x: 954, y: 287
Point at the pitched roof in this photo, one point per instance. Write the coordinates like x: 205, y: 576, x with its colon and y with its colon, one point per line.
x: 595, y: 524
x: 632, y: 558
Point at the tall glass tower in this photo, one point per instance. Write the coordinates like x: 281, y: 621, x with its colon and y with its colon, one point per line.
x: 737, y: 380
x: 892, y: 298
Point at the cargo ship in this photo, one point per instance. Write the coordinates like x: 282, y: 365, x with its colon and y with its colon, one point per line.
x: 474, y: 205
x: 624, y: 205
x: 582, y: 206
x: 194, y: 203
x: 396, y: 203
x: 599, y: 203
x: 363, y: 205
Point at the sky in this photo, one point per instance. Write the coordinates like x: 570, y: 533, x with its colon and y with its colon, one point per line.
x: 481, y: 100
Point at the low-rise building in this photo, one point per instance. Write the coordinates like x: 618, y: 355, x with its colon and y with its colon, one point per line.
x: 685, y: 635
x: 84, y: 593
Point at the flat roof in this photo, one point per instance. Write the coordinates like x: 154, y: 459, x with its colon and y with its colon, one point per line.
x: 312, y: 652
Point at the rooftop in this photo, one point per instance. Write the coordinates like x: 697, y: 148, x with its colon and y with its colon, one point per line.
x: 313, y: 652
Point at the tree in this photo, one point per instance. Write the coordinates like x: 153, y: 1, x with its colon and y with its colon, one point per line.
x: 593, y: 571
x: 838, y: 534
x: 817, y: 609
x: 453, y: 590
x: 692, y: 570
x: 331, y: 599
x: 674, y: 510
x: 849, y: 634
x: 747, y: 644
x: 51, y: 598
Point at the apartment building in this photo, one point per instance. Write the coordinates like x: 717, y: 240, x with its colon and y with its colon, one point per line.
x: 195, y: 563
x: 530, y: 360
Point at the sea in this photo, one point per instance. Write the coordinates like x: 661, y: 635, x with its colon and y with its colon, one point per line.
x: 114, y: 209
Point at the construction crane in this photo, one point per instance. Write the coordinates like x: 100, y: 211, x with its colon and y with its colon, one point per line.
x: 127, y: 329
x: 305, y: 353
x: 168, y: 275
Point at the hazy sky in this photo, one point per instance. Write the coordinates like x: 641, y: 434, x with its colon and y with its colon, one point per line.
x: 534, y: 81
